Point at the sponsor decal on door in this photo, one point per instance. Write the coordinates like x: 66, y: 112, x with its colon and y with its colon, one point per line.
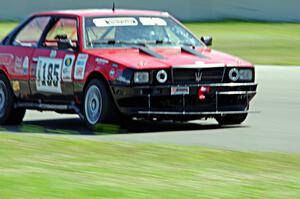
x: 67, y: 68
x: 80, y: 66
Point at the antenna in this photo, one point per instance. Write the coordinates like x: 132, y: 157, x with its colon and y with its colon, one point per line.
x: 114, y: 7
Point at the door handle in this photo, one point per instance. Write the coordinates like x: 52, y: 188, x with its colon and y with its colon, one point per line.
x: 35, y: 59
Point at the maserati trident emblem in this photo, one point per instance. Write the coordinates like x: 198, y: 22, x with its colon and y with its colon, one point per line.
x: 198, y: 76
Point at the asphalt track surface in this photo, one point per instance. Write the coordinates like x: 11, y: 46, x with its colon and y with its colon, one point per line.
x: 275, y: 128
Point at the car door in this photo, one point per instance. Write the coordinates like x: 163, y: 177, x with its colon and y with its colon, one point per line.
x: 51, y: 81
x: 19, y: 50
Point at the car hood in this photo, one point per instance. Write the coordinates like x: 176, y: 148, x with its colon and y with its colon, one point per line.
x: 168, y: 57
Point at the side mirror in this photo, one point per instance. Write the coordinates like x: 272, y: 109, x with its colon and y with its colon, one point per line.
x: 207, y: 40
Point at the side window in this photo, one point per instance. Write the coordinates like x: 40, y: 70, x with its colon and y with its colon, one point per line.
x: 63, y: 35
x: 32, y: 32
x: 100, y: 33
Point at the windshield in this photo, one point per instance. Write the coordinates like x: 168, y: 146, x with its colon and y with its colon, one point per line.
x: 139, y: 30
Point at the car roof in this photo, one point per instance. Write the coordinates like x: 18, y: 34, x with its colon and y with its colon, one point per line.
x: 101, y: 12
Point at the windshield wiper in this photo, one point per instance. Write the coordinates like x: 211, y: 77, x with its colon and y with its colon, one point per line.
x: 143, y: 43
x: 142, y: 46
x: 179, y: 43
x: 113, y: 42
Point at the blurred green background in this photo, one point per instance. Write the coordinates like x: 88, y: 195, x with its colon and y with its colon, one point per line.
x: 257, y: 42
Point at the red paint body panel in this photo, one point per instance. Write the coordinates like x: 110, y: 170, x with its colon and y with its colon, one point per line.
x: 14, y: 60
x: 133, y: 58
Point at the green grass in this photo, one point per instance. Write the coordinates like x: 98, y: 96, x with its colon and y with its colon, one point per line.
x: 6, y: 27
x: 260, y: 43
x: 38, y: 166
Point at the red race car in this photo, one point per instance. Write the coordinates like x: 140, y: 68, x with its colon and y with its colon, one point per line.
x: 109, y: 64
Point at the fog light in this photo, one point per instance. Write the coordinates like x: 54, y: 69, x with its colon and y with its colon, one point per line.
x: 246, y: 74
x: 201, y: 97
x: 203, y: 90
x: 141, y: 77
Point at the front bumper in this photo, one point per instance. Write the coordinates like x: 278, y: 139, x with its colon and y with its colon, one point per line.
x: 157, y: 101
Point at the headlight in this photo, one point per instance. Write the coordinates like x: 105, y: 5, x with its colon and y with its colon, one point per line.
x: 162, y: 76
x: 246, y: 74
x: 234, y: 74
x: 241, y: 74
x: 141, y: 77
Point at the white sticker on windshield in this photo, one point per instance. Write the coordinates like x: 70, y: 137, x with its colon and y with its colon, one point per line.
x: 117, y: 21
x: 152, y: 21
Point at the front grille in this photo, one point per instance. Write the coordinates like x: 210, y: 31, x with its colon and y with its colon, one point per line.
x: 198, y: 76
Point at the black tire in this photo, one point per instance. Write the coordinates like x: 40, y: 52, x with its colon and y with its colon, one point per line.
x: 98, y: 105
x: 17, y: 117
x: 8, y: 114
x: 231, y: 119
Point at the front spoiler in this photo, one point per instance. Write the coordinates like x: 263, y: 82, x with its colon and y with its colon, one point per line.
x: 249, y: 94
x: 220, y: 90
x: 195, y: 113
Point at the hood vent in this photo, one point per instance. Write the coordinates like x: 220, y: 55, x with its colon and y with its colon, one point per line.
x: 192, y: 51
x: 150, y: 52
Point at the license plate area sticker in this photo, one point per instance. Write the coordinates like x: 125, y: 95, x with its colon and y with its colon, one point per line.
x: 180, y: 90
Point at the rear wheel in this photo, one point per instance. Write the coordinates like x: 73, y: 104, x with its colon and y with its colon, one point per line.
x: 231, y: 119
x: 98, y: 106
x: 8, y: 114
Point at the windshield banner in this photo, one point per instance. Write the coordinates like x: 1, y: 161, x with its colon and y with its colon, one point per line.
x: 117, y: 21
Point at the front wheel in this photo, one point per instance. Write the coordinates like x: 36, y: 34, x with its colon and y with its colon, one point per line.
x: 231, y: 119
x: 98, y: 106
